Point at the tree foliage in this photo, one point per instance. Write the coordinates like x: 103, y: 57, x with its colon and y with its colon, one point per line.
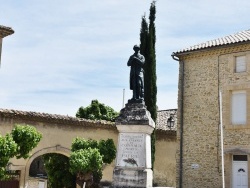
x: 107, y: 150
x: 97, y: 111
x: 105, y: 147
x: 57, y: 169
x: 19, y: 143
x: 85, y: 161
x: 80, y: 143
x: 8, y: 149
x: 148, y: 40
x: 27, y: 138
x: 87, y: 158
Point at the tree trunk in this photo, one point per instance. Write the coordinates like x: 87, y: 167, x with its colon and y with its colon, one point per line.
x: 84, y: 177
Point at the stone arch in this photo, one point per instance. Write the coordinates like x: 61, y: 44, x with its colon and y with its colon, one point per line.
x: 54, y: 149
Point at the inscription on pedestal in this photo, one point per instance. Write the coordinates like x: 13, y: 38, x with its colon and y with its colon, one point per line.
x: 131, y: 152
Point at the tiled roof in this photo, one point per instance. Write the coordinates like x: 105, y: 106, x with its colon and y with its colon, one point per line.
x: 240, y: 37
x: 161, y: 123
x: 162, y: 118
x: 51, y: 118
x: 5, y: 31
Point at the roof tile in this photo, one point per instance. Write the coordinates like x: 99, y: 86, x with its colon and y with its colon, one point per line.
x: 161, y: 123
x: 162, y: 118
x: 242, y: 36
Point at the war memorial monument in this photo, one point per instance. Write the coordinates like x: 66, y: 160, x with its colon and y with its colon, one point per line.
x: 135, y: 125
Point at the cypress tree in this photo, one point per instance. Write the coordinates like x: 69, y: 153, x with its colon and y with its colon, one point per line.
x: 143, y: 38
x: 148, y: 39
x: 150, y: 72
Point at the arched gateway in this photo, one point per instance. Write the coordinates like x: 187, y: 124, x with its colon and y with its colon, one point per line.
x: 55, y: 149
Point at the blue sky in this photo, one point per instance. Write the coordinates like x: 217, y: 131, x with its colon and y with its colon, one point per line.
x: 64, y: 53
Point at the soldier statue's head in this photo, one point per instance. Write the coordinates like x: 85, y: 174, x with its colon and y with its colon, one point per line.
x: 136, y: 48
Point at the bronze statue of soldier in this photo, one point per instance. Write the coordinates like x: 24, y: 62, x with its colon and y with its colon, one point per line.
x: 136, y: 62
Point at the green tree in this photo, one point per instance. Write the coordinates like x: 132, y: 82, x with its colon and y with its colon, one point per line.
x: 21, y: 140
x: 87, y: 158
x: 97, y: 111
x: 80, y: 143
x: 107, y: 150
x: 57, y: 169
x: 84, y: 163
x: 26, y: 137
x: 148, y: 40
x: 8, y: 149
x: 144, y: 41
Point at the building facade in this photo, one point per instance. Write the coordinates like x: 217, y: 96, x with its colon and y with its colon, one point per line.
x: 219, y: 67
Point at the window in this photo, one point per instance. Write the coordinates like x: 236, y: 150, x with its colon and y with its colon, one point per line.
x: 240, y: 157
x: 239, y: 107
x: 240, y: 64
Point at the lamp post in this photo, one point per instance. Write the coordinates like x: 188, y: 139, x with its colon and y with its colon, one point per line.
x: 4, y: 31
x: 170, y: 122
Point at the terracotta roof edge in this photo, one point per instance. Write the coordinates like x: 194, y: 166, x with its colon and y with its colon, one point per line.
x: 233, y: 39
x: 47, y: 116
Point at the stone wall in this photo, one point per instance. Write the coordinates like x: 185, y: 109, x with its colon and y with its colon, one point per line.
x: 205, y: 73
x: 165, y: 146
x: 59, y: 131
x: 165, y: 164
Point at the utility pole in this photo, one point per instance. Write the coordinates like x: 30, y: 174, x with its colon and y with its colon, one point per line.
x: 123, y: 97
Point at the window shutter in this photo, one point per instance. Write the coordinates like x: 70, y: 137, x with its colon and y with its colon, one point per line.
x: 239, y: 108
x: 240, y: 64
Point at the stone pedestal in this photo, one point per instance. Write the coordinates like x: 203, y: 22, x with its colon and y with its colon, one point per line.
x: 133, y: 159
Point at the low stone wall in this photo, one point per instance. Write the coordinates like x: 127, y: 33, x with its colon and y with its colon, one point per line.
x: 165, y: 165
x: 59, y: 131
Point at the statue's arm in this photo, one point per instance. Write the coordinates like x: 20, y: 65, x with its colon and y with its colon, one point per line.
x: 140, y: 60
x: 130, y: 61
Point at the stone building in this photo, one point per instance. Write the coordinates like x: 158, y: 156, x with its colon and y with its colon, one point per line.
x: 206, y: 70
x: 59, y: 131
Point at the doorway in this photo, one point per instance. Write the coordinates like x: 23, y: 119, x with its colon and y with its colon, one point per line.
x: 240, y: 171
